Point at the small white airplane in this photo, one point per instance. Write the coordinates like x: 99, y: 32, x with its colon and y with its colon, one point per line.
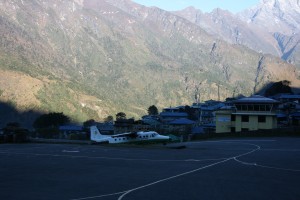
x: 133, y: 137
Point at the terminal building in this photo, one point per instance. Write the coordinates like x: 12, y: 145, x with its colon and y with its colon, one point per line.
x: 247, y: 114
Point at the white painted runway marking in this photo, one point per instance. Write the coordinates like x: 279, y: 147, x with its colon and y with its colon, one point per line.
x: 70, y: 151
x: 291, y: 150
x: 219, y: 161
x: 265, y: 166
x: 124, y: 193
x: 176, y: 176
x: 172, y: 177
x: 100, y: 196
x: 110, y: 158
x: 230, y: 141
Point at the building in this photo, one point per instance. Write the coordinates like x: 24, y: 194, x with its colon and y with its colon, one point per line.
x: 181, y: 126
x: 287, y: 98
x: 66, y: 130
x: 247, y: 114
x: 295, y: 119
x: 207, y: 110
x: 123, y: 125
x: 130, y: 125
x: 106, y: 128
x: 167, y: 116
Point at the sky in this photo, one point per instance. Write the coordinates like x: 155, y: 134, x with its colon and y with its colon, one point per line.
x: 233, y: 6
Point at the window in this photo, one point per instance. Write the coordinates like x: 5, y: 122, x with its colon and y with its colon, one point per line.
x: 262, y: 107
x: 250, y: 107
x: 245, y: 118
x: 244, y: 107
x: 232, y: 118
x: 261, y: 118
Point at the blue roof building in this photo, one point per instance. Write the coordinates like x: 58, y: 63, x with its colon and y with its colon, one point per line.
x: 167, y: 117
x: 182, y: 121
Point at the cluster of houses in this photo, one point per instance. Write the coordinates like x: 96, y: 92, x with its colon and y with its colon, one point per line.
x: 234, y: 115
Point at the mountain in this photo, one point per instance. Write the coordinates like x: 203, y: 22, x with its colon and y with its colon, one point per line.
x: 91, y: 59
x: 281, y: 16
x: 272, y: 27
x: 281, y: 19
x: 227, y: 26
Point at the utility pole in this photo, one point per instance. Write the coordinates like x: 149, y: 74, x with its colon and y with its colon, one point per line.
x: 218, y: 84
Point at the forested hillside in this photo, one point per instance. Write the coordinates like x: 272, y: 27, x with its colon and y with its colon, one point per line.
x: 91, y: 59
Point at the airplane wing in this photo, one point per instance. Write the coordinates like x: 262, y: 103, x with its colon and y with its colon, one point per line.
x: 130, y: 134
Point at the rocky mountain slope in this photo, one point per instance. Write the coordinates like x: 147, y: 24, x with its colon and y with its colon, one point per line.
x: 281, y: 19
x: 275, y: 16
x: 272, y: 26
x: 91, y: 59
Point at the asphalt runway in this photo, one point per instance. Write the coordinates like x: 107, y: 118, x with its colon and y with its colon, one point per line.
x: 256, y: 168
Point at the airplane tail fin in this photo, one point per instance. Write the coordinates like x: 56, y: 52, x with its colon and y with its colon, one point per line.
x: 95, y: 134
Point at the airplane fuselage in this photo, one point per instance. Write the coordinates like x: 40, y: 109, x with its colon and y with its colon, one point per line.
x: 133, y: 137
x: 141, y: 137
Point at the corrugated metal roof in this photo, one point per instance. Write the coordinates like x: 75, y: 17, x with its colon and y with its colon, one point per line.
x: 255, y: 99
x: 173, y: 114
x: 279, y: 115
x: 182, y: 121
x: 289, y: 96
x: 255, y: 113
x: 70, y: 128
x: 297, y: 114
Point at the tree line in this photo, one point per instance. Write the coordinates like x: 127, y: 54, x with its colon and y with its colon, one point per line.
x: 54, y: 119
